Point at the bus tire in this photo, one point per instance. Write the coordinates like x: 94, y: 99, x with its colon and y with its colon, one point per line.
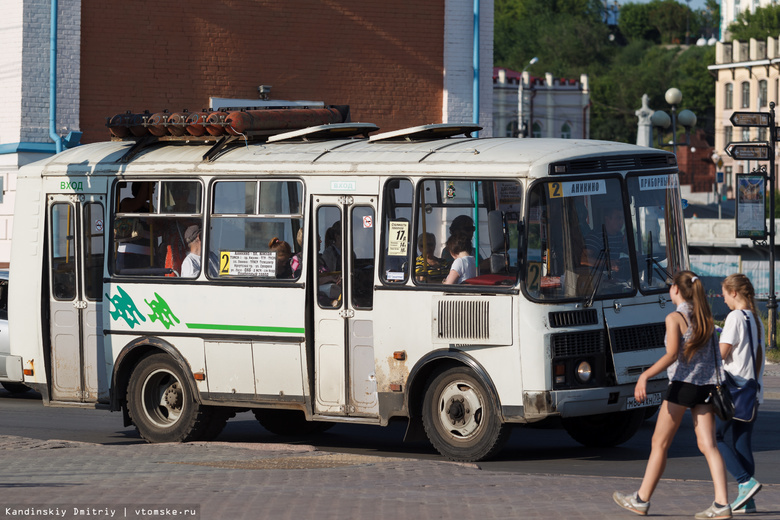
x: 160, y: 402
x: 289, y: 423
x: 16, y: 388
x: 216, y: 419
x: 604, y: 430
x: 460, y: 417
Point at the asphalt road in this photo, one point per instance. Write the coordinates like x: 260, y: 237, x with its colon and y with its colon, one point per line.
x: 541, y: 451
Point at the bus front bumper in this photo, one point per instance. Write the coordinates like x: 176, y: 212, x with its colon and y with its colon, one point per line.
x: 588, y: 401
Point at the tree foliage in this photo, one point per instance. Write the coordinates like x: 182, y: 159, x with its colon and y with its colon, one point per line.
x: 762, y: 23
x: 570, y: 38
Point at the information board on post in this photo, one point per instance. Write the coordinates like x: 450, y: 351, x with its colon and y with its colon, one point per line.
x: 751, y: 206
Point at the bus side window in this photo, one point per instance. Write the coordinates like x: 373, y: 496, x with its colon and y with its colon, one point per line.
x: 396, y: 225
x: 149, y: 222
x: 253, y: 229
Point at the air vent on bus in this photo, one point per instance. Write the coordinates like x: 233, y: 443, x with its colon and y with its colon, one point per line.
x: 573, y: 318
x: 620, y: 163
x: 464, y: 320
x: 642, y: 337
x: 657, y: 161
x: 613, y: 163
x: 573, y: 344
x: 585, y: 165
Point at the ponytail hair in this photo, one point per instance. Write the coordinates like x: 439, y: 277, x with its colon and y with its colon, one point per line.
x: 692, y: 291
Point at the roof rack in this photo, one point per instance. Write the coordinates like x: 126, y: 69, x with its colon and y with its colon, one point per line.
x: 427, y: 132
x: 331, y: 131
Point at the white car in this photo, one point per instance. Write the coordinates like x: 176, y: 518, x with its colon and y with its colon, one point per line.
x: 5, y: 349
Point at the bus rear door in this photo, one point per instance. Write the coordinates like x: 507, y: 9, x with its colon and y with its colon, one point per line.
x: 75, y: 255
x: 345, y: 379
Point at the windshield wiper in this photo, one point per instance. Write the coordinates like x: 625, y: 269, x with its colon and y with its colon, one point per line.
x: 603, y: 258
x: 650, y: 259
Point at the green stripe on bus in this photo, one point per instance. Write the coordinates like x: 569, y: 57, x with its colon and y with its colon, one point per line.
x: 248, y: 328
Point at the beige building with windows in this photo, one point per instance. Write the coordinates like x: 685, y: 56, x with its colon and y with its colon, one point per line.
x: 747, y: 81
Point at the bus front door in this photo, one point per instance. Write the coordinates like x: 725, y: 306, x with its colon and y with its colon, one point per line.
x: 75, y: 227
x: 344, y: 238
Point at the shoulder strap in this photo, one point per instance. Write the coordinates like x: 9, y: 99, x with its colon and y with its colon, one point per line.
x: 750, y: 340
x: 683, y: 317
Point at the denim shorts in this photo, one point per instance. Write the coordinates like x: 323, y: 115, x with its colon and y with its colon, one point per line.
x: 688, y: 394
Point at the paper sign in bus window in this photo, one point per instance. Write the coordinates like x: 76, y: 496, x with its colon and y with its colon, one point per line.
x: 248, y: 263
x: 398, y: 238
x: 577, y: 188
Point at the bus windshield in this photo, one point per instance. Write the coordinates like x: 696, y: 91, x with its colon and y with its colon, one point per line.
x: 584, y: 243
x: 660, y: 249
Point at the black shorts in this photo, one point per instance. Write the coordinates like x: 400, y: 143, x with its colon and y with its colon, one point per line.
x: 688, y: 394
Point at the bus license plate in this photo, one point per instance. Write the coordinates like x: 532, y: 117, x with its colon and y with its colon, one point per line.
x: 650, y: 400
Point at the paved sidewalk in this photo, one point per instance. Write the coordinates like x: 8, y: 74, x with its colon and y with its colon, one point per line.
x: 268, y: 481
x: 215, y: 480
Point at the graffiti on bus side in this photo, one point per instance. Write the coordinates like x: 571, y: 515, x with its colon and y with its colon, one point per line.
x: 126, y: 309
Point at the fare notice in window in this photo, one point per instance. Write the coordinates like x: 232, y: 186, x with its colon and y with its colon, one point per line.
x: 398, y: 238
x: 247, y: 263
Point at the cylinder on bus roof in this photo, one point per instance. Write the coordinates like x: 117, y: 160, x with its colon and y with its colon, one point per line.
x: 196, y: 123
x: 177, y: 123
x: 156, y: 124
x: 289, y: 119
x: 215, y: 123
x: 119, y: 125
x: 137, y: 127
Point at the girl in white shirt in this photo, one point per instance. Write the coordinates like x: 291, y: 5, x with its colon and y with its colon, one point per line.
x: 741, y: 332
x: 464, y: 266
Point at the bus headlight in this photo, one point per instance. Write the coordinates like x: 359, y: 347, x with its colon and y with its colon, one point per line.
x: 584, y: 372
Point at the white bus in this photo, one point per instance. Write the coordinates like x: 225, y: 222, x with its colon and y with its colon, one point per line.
x: 561, y: 313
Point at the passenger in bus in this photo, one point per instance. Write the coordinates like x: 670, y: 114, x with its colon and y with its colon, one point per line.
x: 190, y: 267
x: 615, y: 238
x: 428, y: 268
x: 139, y: 202
x: 295, y: 261
x: 463, y: 225
x: 332, y: 252
x: 283, y: 255
x: 463, y: 266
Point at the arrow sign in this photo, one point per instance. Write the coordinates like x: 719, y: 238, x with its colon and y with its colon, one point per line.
x: 752, y: 152
x: 750, y: 119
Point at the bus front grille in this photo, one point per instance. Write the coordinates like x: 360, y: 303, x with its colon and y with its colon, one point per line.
x: 571, y: 344
x: 468, y: 320
x: 642, y: 337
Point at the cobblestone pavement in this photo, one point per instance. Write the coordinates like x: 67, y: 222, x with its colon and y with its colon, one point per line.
x: 248, y: 480
x: 216, y: 480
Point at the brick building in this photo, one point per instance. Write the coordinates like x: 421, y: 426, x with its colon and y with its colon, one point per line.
x: 396, y: 64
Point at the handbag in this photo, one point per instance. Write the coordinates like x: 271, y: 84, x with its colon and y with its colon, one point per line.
x: 720, y: 396
x: 745, y: 397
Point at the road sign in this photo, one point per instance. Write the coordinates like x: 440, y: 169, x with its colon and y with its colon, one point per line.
x: 752, y: 152
x: 750, y: 119
x: 719, y: 177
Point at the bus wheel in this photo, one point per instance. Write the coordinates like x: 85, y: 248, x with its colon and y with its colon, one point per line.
x: 289, y: 423
x: 160, y: 403
x: 460, y: 418
x: 604, y: 430
x: 15, y: 388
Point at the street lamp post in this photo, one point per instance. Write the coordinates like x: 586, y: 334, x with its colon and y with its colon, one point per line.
x: 527, y: 121
x: 662, y: 120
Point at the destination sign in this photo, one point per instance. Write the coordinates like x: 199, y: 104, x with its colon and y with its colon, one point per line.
x: 750, y: 119
x: 755, y: 152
